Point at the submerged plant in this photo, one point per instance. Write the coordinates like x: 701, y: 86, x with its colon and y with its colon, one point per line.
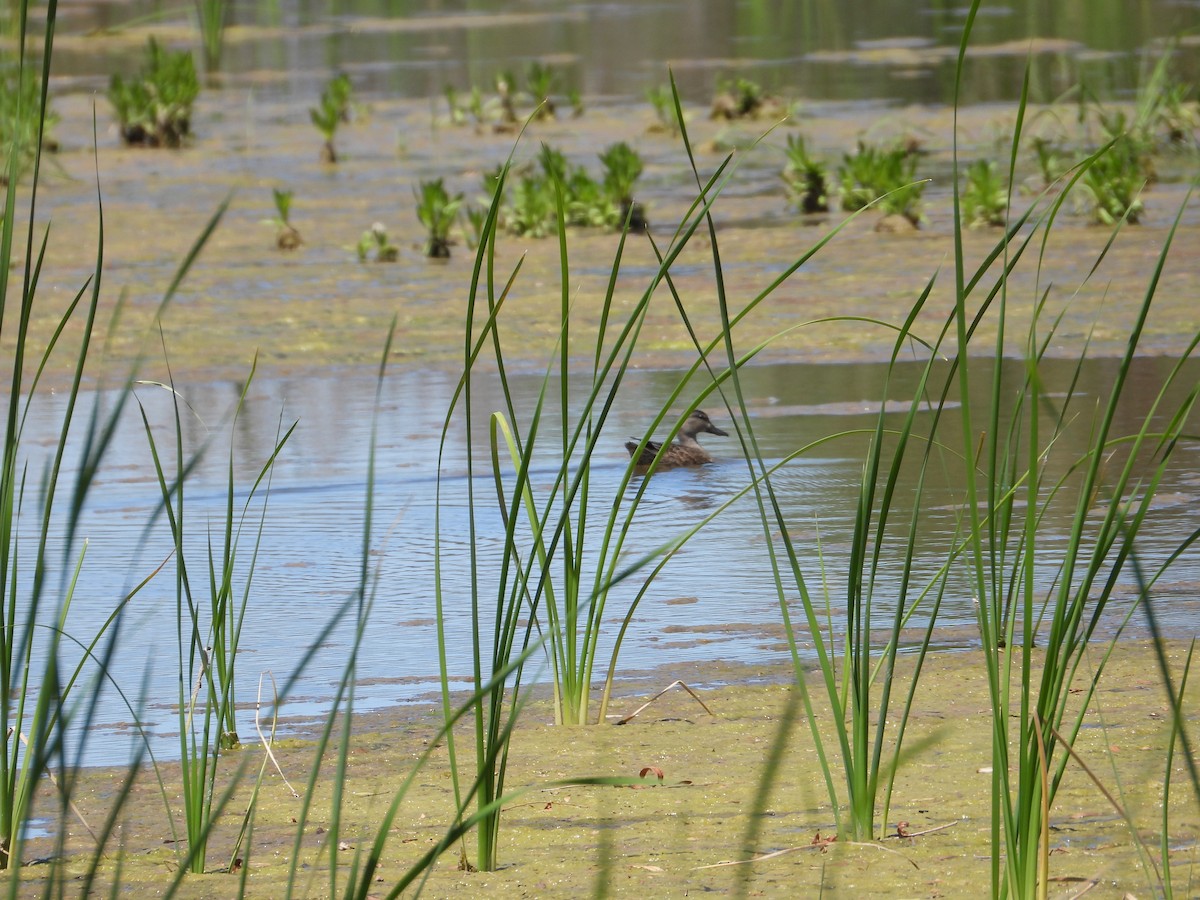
x: 286, y: 237
x: 985, y: 197
x: 805, y: 177
x: 438, y: 212
x: 575, y: 101
x: 332, y: 110
x: 155, y: 107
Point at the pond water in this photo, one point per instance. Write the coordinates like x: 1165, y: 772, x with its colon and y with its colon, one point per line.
x: 714, y: 600
x: 851, y: 51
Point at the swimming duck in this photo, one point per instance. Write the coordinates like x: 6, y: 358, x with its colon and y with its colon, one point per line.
x: 686, y: 451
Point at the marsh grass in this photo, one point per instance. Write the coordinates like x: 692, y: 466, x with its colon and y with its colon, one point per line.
x: 212, y: 17
x: 154, y: 107
x: 36, y: 711
x: 566, y: 555
x: 209, y: 622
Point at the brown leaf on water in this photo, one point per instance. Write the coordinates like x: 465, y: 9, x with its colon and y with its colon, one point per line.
x: 823, y: 843
x: 655, y: 770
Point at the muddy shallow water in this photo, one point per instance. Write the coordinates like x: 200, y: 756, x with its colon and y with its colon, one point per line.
x: 316, y: 319
x: 689, y: 832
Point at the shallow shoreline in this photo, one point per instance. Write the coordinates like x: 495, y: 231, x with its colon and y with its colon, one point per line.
x: 558, y: 841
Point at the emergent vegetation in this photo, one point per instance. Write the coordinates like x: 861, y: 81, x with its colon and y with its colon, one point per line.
x: 805, y: 177
x: 332, y: 111
x: 438, y: 212
x: 886, y: 175
x: 154, y: 108
x: 286, y: 236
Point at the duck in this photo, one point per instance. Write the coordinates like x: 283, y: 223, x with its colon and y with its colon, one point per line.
x: 686, y: 451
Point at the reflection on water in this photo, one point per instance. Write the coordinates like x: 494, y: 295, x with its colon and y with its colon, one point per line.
x: 848, y: 51
x: 718, y: 588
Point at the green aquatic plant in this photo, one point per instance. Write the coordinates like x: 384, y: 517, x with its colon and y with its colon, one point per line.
x: 985, y: 196
x: 739, y: 98
x: 458, y: 114
x: 286, y: 236
x: 213, y: 17
x: 24, y: 125
x: 438, y: 212
x: 373, y: 244
x: 506, y: 89
x: 1050, y: 159
x: 622, y: 168
x: 541, y: 81
x: 662, y: 101
x: 154, y: 108
x: 806, y: 177
x: 1113, y: 181
x: 884, y: 175
x: 332, y: 110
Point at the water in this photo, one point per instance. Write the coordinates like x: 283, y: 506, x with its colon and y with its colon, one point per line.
x: 714, y: 599
x: 901, y: 52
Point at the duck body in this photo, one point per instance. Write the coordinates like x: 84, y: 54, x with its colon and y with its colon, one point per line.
x: 685, y: 451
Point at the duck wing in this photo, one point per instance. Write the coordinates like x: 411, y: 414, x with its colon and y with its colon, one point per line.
x: 648, y: 452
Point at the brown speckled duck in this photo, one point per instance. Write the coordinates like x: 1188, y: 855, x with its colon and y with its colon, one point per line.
x: 686, y: 451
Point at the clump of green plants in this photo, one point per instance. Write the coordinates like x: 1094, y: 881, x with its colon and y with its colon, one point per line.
x: 886, y: 175
x: 806, y: 177
x: 375, y: 246
x: 541, y: 81
x: 985, y: 196
x: 438, y: 212
x: 1051, y: 159
x: 466, y: 110
x: 286, y: 236
x: 154, y: 108
x: 506, y: 89
x: 532, y: 207
x: 1165, y: 107
x: 332, y: 110
x: 742, y: 98
x: 662, y: 100
x: 1113, y: 183
x: 575, y: 101
x: 20, y: 102
x: 622, y: 168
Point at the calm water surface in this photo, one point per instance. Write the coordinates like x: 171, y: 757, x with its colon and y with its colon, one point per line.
x: 715, y: 599
x: 864, y: 50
